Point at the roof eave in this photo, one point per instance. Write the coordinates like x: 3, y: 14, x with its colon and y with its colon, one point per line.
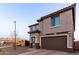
x: 57, y: 12
x: 33, y: 25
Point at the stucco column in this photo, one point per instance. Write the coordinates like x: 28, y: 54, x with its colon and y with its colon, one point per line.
x: 37, y: 41
x: 69, y: 41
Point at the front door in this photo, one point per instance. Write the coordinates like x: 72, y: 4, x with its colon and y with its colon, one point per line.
x: 33, y: 41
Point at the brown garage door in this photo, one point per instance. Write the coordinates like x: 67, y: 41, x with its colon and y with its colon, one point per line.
x: 55, y: 43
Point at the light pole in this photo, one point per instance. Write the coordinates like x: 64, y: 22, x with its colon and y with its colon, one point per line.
x: 15, y: 35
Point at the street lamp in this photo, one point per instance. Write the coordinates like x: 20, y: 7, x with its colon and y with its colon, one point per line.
x: 15, y: 34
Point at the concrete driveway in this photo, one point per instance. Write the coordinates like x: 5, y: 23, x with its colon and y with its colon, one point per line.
x: 44, y: 52
x: 33, y: 51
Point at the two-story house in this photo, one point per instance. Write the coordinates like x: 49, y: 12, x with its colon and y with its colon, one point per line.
x: 54, y: 31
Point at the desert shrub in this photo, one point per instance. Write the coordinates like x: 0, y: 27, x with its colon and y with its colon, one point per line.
x: 0, y: 50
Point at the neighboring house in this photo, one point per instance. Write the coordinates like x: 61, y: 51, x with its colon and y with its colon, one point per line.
x: 27, y: 43
x: 77, y: 45
x: 54, y: 31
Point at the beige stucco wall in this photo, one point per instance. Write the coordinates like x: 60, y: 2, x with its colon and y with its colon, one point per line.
x: 66, y: 24
x: 40, y: 27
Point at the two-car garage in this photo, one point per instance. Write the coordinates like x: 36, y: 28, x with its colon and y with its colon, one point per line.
x: 54, y: 43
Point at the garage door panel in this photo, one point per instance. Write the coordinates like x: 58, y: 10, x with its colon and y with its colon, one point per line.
x: 55, y: 43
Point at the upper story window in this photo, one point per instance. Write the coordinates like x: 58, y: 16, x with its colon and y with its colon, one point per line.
x: 56, y: 21
x: 33, y: 28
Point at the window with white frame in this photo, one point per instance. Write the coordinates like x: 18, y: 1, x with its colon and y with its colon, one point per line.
x: 55, y: 21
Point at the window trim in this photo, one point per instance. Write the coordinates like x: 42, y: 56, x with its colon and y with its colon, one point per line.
x: 52, y: 19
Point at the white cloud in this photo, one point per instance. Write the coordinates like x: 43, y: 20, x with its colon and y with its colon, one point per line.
x: 77, y: 23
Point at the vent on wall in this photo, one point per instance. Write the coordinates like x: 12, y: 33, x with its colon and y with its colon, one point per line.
x: 62, y: 32
x: 58, y: 33
x: 50, y: 34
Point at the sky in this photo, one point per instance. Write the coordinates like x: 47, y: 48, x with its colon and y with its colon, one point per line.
x: 27, y: 14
